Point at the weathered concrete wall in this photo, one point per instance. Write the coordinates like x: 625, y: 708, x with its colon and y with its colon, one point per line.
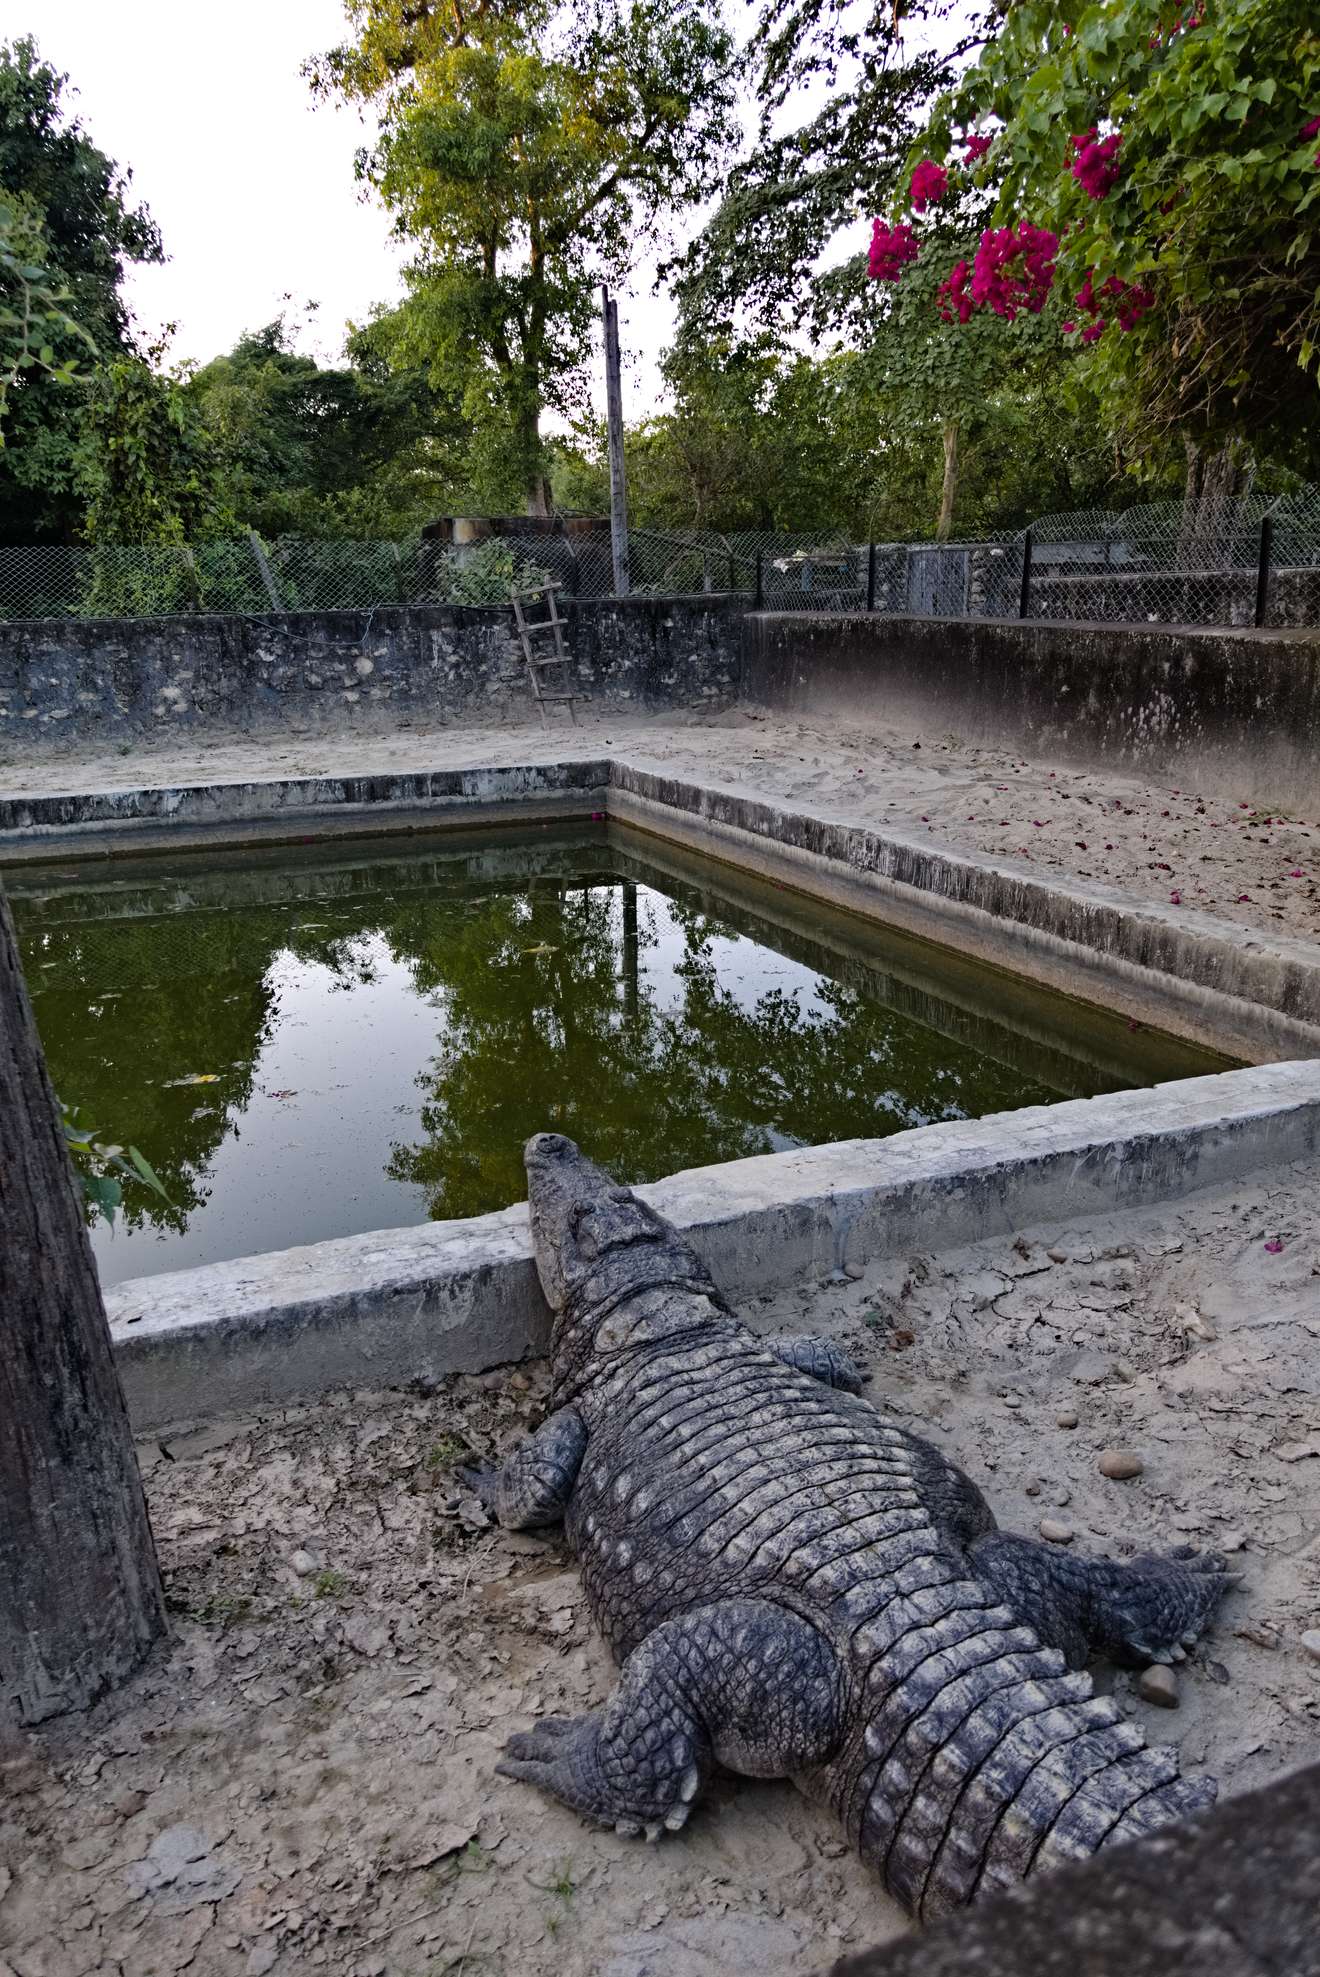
x: 1236, y: 711
x: 74, y: 680
x: 460, y: 1296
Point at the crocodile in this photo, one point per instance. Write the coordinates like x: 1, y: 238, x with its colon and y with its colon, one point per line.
x: 797, y: 1587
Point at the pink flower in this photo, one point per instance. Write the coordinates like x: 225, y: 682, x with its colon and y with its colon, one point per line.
x: 891, y: 250
x: 1175, y: 899
x: 1297, y: 873
x: 1130, y: 301
x: 1273, y: 1246
x: 930, y: 182
x: 1312, y: 130
x: 952, y: 298
x: 1095, y: 162
x: 977, y: 146
x: 1014, y: 270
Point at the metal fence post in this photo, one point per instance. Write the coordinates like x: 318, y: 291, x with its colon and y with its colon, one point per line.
x: 1263, y: 569
x: 760, y: 580
x: 267, y: 574
x: 870, y: 576
x: 1024, y: 595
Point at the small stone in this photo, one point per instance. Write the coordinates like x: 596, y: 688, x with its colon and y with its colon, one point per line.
x: 1311, y: 1642
x: 128, y: 1804
x: 1159, y: 1685
x: 1232, y: 1541
x: 1062, y: 1497
x: 1033, y: 1489
x: 1057, y: 1255
x: 1055, y: 1533
x: 304, y: 1563
x: 1011, y: 1400
x: 1066, y: 1418
x: 1120, y: 1464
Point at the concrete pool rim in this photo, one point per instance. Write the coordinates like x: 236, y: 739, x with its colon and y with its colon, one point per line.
x: 1208, y: 981
x: 416, y: 1304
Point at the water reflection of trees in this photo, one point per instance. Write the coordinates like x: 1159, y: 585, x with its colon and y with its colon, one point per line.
x: 547, y: 1015
x: 131, y: 1009
x: 548, y: 1025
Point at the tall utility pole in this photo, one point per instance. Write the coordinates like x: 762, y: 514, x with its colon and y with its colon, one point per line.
x: 80, y: 1592
x: 614, y: 425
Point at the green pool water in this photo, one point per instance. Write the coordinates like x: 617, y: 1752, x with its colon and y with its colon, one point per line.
x: 317, y: 1041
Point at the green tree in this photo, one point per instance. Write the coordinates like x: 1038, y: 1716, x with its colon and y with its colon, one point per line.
x: 1175, y: 152
x: 78, y: 203
x: 359, y: 449
x: 37, y: 334
x: 528, y: 151
x: 147, y: 468
x: 762, y: 262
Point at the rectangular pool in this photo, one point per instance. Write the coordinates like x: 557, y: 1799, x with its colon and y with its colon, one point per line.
x: 316, y: 1041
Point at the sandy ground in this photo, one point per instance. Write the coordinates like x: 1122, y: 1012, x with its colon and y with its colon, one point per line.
x: 305, y: 1781
x: 1176, y: 847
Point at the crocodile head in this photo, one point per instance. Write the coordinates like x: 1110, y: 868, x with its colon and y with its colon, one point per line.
x: 615, y: 1274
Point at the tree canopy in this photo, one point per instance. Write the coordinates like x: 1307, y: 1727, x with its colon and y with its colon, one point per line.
x: 1171, y: 152
x: 528, y: 152
x: 76, y: 205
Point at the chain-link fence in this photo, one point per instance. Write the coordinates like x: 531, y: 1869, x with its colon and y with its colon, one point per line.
x: 1253, y: 561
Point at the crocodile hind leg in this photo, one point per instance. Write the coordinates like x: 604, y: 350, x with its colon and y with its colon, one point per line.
x: 1148, y: 1609
x: 742, y: 1683
x: 811, y: 1352
x: 532, y: 1486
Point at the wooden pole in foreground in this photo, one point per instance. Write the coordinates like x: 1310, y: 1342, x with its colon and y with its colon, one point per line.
x: 614, y: 430
x: 80, y: 1593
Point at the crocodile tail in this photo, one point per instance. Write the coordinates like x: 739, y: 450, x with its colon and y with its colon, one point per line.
x: 986, y: 1760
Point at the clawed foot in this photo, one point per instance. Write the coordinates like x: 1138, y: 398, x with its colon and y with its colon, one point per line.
x: 484, y: 1482
x: 1172, y: 1602
x: 561, y: 1756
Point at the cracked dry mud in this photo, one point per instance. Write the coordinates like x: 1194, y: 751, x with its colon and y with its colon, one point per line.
x: 304, y: 1781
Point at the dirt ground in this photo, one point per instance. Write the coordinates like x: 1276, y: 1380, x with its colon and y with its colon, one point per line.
x: 304, y: 1781
x: 1182, y: 849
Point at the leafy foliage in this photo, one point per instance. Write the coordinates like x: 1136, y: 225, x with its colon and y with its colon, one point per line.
x: 1175, y: 152
x: 101, y: 1168
x: 527, y: 150
x: 36, y: 330
x: 148, y: 469
x: 72, y: 205
x: 361, y: 449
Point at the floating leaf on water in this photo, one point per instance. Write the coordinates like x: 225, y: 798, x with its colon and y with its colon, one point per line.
x: 194, y: 1078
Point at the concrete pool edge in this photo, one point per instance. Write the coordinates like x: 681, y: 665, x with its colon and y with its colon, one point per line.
x: 1208, y: 981
x: 402, y: 1305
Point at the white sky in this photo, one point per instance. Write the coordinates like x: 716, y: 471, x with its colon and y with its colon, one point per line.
x: 252, y: 186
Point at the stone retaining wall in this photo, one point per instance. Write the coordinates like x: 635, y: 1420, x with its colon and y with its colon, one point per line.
x: 1233, y: 711
x: 71, y: 681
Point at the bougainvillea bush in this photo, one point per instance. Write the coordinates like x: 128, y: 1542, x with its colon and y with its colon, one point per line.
x: 1154, y: 172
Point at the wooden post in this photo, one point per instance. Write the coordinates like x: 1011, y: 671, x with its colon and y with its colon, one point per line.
x: 80, y: 1591
x: 614, y: 425
x: 870, y: 576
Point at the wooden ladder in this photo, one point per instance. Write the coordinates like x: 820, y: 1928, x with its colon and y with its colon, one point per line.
x: 537, y: 663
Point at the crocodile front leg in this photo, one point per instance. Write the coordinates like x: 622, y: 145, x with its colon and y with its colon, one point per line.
x: 743, y: 1683
x: 532, y: 1486
x: 1148, y: 1609
x: 811, y: 1352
